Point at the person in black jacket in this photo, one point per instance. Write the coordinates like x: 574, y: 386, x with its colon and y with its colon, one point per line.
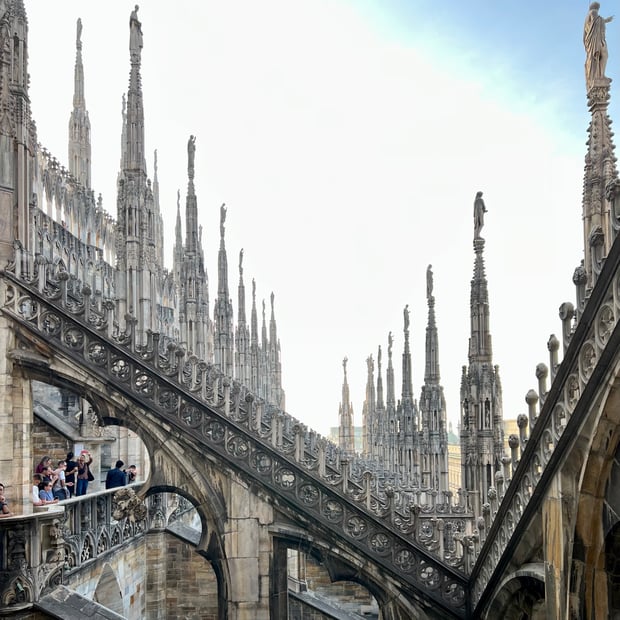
x: 116, y: 477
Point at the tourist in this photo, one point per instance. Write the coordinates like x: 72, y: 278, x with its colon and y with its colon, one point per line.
x: 116, y: 476
x: 45, y: 493
x: 131, y: 474
x: 43, y: 463
x: 48, y: 474
x: 37, y: 479
x: 4, y: 507
x: 70, y: 472
x: 59, y: 486
x: 84, y: 475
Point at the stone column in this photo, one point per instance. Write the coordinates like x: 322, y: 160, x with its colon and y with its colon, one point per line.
x: 555, y: 551
x: 156, y: 561
x: 16, y: 466
x: 250, y: 556
x: 279, y: 582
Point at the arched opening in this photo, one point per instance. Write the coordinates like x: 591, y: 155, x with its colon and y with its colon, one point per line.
x: 66, y: 423
x: 108, y: 591
x: 521, y: 596
x: 611, y: 523
x: 311, y: 589
x: 186, y: 582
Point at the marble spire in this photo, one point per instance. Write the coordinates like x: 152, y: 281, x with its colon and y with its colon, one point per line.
x: 79, y: 123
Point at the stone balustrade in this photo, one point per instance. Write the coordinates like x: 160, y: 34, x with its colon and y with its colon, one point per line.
x: 42, y: 549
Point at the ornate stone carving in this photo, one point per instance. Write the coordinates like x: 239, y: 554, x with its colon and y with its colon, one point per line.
x: 127, y: 505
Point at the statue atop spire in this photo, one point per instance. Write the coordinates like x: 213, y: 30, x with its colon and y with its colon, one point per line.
x: 135, y: 35
x: 241, y: 263
x: 406, y: 317
x: 344, y: 366
x: 429, y: 282
x: 599, y: 208
x: 479, y: 211
x: 78, y: 38
x: 595, y: 44
x: 222, y: 219
x: 191, y: 153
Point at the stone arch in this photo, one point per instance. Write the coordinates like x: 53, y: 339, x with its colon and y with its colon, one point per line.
x: 595, y: 454
x: 209, y: 546
x: 521, y: 595
x: 341, y: 565
x: 18, y: 591
x: 108, y: 591
x: 611, y: 528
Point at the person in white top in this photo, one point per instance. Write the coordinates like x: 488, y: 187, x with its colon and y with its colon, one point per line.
x: 37, y: 479
x: 59, y: 488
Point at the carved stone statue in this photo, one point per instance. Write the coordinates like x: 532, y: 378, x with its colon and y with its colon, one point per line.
x: 135, y: 34
x: 595, y: 44
x: 78, y: 38
x: 479, y: 211
x: 429, y: 282
x: 390, y: 343
x: 222, y: 219
x: 344, y: 365
x: 406, y: 316
x: 241, y: 263
x: 191, y: 154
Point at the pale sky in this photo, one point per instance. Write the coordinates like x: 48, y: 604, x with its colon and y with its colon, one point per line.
x: 348, y: 139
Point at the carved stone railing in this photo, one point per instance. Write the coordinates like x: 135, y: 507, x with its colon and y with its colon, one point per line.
x: 298, y: 468
x: 593, y: 345
x: 40, y: 550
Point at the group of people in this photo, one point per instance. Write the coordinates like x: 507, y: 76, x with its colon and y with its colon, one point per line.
x: 50, y: 486
x: 70, y: 478
x: 118, y: 477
